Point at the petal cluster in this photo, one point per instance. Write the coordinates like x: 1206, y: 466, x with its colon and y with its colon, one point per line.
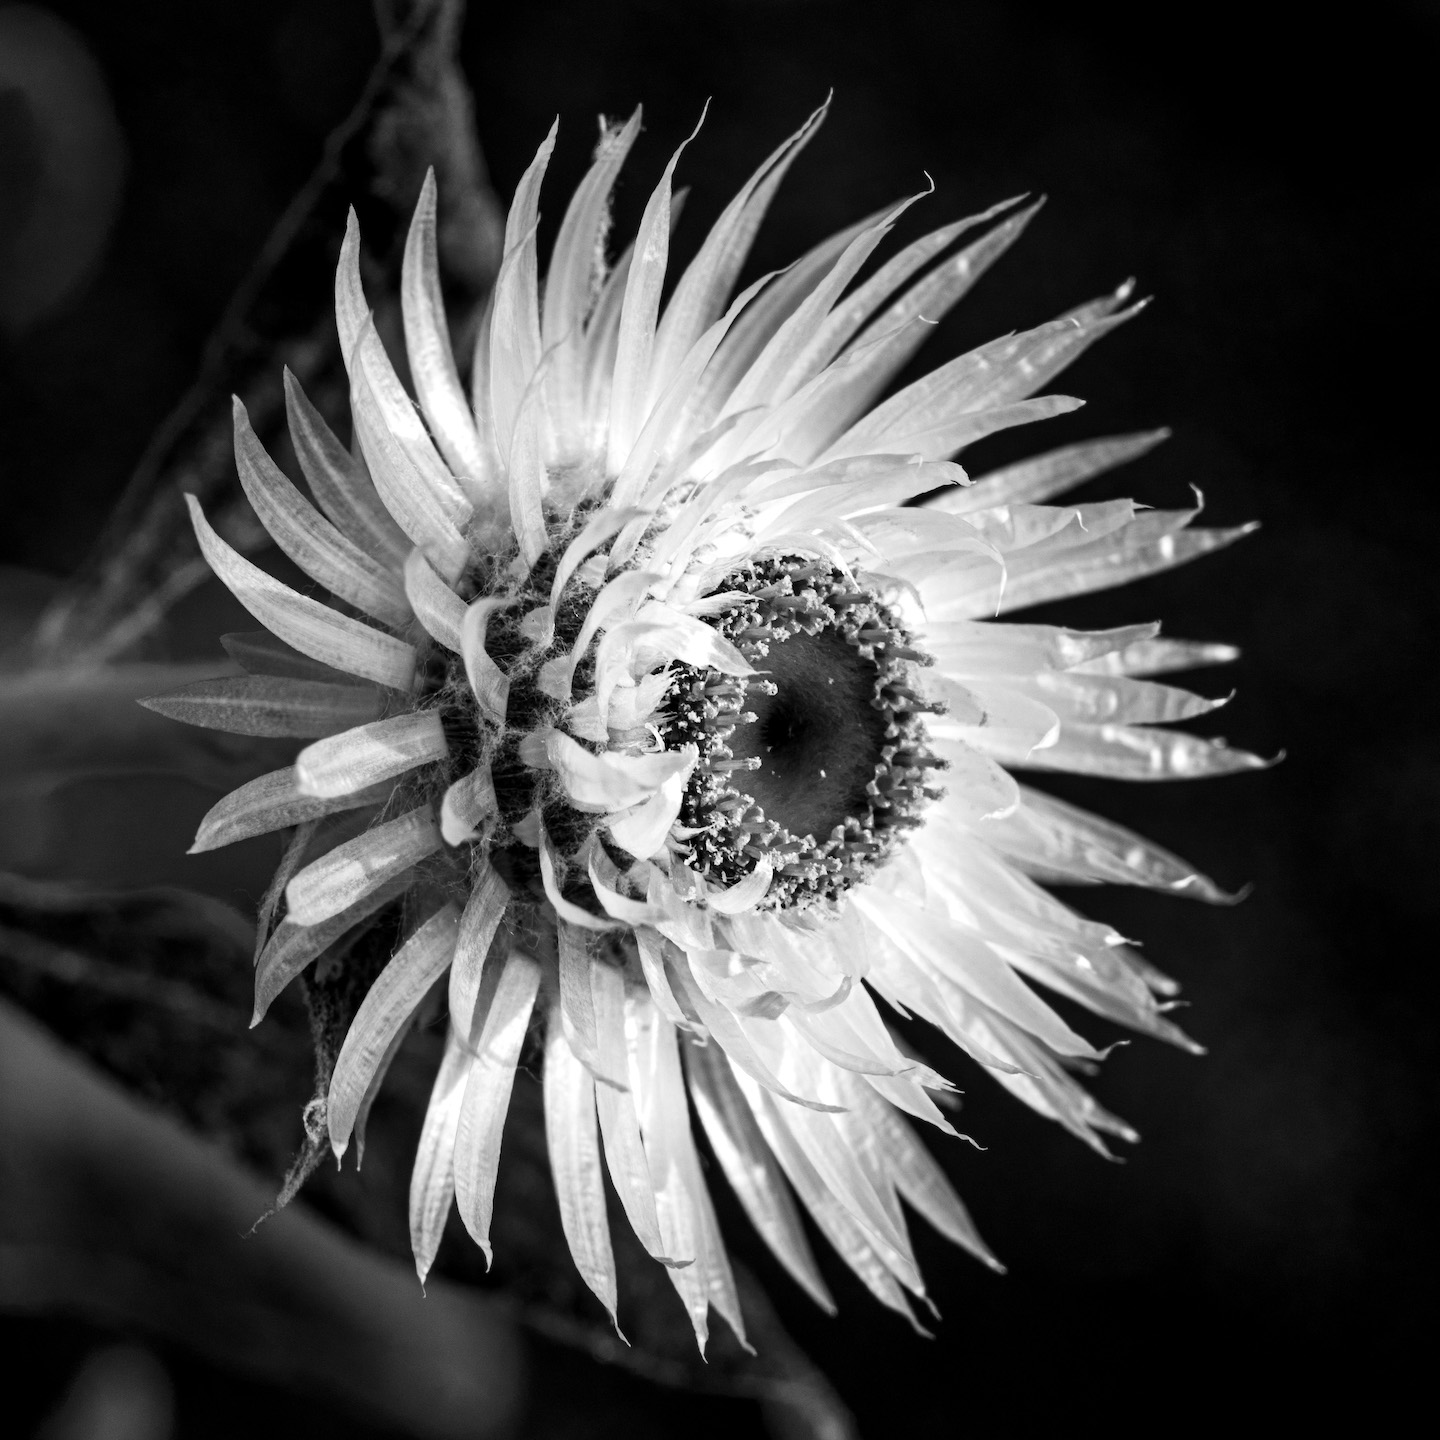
x: 524, y: 564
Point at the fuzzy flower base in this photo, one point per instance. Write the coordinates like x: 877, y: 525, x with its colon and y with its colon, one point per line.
x: 652, y: 709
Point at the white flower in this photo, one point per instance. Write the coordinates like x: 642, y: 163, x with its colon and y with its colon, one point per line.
x: 679, y: 729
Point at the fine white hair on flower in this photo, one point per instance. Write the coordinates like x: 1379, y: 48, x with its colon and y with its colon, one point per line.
x: 663, y: 705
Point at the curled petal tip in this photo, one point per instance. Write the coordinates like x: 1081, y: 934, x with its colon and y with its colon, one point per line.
x: 1201, y: 887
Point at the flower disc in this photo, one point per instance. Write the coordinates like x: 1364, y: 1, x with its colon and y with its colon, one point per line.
x: 819, y: 764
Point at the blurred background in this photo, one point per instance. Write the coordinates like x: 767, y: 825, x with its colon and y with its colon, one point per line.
x: 1268, y: 1243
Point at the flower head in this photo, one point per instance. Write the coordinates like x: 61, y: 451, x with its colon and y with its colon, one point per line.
x: 675, y: 729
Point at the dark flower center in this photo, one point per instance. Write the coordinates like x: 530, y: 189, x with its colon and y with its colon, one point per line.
x: 817, y: 738
x: 819, y: 763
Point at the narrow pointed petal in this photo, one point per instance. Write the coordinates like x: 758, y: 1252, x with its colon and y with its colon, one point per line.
x: 569, y: 285
x: 998, y: 374
x: 883, y: 347
x: 949, y: 436
x: 576, y: 266
x: 665, y: 424
x: 1071, y: 843
x: 851, y: 500
x: 629, y: 390
x: 1104, y: 982
x: 766, y: 379
x: 937, y: 292
x: 833, y: 1154
x: 361, y: 866
x: 487, y: 1095
x: 481, y: 403
x: 1158, y: 656
x: 1155, y: 540
x: 312, y: 628
x: 269, y: 705
x: 780, y: 295
x: 619, y: 1124
x: 310, y: 540
x: 920, y: 1179
x: 751, y: 1168
x: 1117, y: 699
x: 269, y: 803
x: 849, y: 1239
x: 385, y: 1010
x: 528, y: 477
x: 1125, y: 752
x: 417, y: 506
x: 515, y: 318
x: 857, y: 307
x: 682, y: 1201
x: 574, y: 1148
x: 432, y: 1180
x: 432, y: 361
x: 391, y: 416
x: 801, y: 427
x: 340, y: 483
x: 975, y: 968
x: 602, y: 340
x: 708, y: 280
x: 1046, y: 529
x: 1053, y: 473
x: 967, y: 648
x: 1050, y: 1090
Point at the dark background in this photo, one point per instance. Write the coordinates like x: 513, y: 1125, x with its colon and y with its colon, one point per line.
x: 1268, y: 1245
